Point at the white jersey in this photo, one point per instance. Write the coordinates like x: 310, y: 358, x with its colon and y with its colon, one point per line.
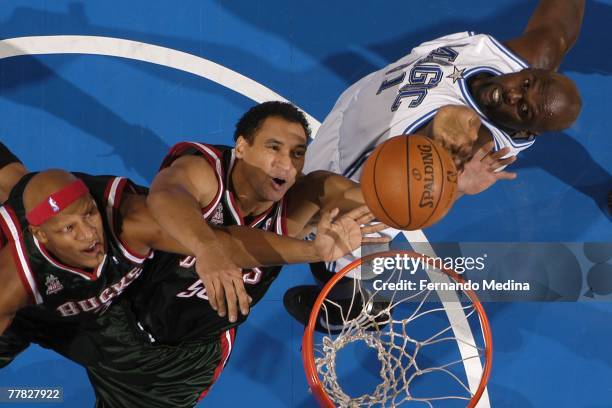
x: 405, y: 95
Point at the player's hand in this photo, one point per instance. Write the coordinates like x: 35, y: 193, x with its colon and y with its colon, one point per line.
x: 223, y: 282
x: 456, y: 129
x: 340, y: 235
x: 481, y: 172
x: 371, y: 233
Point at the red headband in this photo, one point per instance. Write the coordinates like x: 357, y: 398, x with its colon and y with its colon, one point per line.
x: 56, y: 202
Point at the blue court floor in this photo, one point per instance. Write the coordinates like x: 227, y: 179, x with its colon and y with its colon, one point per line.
x: 107, y: 105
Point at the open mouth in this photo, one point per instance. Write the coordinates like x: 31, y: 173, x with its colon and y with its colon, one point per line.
x: 494, y: 96
x: 94, y: 248
x: 278, y: 182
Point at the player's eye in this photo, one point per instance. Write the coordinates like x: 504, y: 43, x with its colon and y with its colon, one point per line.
x: 526, y: 83
x: 523, y: 109
x: 298, y: 154
x: 68, y: 228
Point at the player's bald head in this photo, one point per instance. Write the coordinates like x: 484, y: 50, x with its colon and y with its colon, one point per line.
x: 562, y: 104
x: 43, y: 184
x: 64, y: 218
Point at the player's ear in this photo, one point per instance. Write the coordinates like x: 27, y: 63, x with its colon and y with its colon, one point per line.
x: 39, y: 234
x: 241, y: 145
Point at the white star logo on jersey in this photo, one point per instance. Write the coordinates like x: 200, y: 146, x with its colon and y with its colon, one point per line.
x: 53, y: 205
x: 53, y: 284
x: 457, y: 74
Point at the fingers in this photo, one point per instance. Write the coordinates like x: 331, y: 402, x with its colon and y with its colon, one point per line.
x: 219, y: 297
x: 366, y: 219
x: 327, y: 218
x: 500, y: 153
x: 211, y: 293
x: 244, y: 299
x: 496, y: 161
x: 359, y: 212
x: 484, y: 150
x: 504, y: 162
x: 374, y: 227
x: 506, y: 175
x: 230, y: 296
x: 232, y: 301
x: 376, y: 240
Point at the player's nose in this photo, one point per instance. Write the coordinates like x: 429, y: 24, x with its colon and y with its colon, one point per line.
x: 86, y: 231
x: 512, y: 96
x: 283, y: 162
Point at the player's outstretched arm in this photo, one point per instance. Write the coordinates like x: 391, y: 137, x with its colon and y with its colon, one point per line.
x: 13, y: 295
x: 249, y: 247
x: 176, y: 197
x: 337, y: 235
x: 550, y: 33
x: 456, y: 128
x: 321, y: 191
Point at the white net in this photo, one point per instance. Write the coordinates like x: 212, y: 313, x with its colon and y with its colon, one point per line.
x: 421, y: 353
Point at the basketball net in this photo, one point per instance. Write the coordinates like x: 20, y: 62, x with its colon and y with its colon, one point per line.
x: 401, y: 333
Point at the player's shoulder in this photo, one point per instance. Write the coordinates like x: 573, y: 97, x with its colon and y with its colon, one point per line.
x: 200, y: 175
x: 212, y: 154
x: 464, y: 37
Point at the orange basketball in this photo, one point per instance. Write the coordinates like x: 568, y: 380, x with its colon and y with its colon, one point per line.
x: 409, y: 182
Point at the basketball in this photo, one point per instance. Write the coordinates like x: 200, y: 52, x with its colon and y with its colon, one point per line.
x: 409, y: 182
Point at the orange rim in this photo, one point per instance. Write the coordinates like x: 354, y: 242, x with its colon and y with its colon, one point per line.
x: 308, y: 339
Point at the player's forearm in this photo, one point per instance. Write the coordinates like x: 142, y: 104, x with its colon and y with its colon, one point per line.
x: 562, y: 16
x: 339, y: 192
x: 179, y: 214
x: 255, y: 248
x: 351, y: 198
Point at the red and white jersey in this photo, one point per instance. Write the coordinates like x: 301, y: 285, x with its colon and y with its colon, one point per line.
x: 405, y: 95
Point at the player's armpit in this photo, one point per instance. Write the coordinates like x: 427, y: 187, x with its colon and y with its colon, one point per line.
x: 13, y: 295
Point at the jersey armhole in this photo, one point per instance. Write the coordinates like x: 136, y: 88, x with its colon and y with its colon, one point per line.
x: 212, y: 155
x: 114, y: 196
x: 14, y: 237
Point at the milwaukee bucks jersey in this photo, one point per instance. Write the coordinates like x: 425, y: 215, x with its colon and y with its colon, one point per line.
x: 170, y: 300
x: 60, y: 291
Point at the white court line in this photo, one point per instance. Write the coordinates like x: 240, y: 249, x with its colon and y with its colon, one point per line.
x: 135, y: 50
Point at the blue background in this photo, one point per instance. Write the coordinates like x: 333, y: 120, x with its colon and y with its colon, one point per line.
x: 103, y: 114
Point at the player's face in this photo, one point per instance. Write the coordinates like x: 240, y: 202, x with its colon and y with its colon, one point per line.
x: 274, y: 158
x: 533, y: 100
x: 75, y: 236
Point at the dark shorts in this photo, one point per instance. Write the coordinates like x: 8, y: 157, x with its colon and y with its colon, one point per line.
x: 127, y: 368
